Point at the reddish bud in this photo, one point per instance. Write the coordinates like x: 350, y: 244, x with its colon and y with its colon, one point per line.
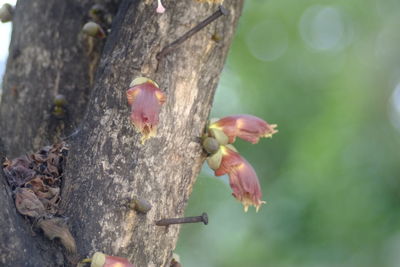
x: 246, y: 127
x: 102, y: 260
x: 145, y: 99
x: 160, y: 8
x: 242, y: 178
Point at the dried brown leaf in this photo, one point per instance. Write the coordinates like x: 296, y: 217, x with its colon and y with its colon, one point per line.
x: 36, y: 184
x: 39, y: 158
x: 37, y: 178
x: 28, y: 204
x: 18, y: 175
x: 49, y: 193
x: 52, y: 170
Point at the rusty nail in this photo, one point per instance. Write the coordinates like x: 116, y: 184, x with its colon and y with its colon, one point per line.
x: 202, y: 218
x: 167, y: 49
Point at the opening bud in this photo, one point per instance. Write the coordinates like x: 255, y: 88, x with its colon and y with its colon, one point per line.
x: 145, y: 98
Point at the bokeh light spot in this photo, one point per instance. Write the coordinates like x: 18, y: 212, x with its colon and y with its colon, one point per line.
x: 324, y: 28
x: 395, y: 107
x: 267, y: 40
x: 387, y: 44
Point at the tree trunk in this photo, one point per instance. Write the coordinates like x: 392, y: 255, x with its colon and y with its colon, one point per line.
x: 107, y: 164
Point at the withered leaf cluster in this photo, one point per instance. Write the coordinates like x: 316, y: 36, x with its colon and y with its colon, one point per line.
x: 36, y: 180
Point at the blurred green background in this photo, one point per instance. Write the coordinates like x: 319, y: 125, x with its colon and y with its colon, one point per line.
x: 328, y: 73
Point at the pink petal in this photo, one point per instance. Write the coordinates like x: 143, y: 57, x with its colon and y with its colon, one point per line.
x: 160, y: 8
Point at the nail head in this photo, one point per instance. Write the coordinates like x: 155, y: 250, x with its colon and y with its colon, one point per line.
x: 223, y: 10
x: 205, y: 218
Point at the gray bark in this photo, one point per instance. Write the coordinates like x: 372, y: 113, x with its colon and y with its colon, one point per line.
x: 48, y: 56
x: 107, y: 163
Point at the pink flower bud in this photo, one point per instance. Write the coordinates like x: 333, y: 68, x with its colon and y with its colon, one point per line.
x: 102, y: 260
x: 242, y: 178
x: 246, y: 127
x: 160, y: 8
x: 145, y: 99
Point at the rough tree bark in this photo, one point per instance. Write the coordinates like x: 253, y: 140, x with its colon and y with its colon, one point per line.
x: 107, y: 164
x: 48, y: 56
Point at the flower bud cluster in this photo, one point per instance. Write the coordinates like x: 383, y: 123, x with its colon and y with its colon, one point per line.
x: 225, y: 159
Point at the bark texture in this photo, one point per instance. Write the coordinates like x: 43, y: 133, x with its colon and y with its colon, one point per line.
x: 48, y: 56
x: 107, y: 163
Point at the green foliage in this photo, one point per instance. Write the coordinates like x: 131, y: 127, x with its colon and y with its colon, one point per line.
x: 324, y: 71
